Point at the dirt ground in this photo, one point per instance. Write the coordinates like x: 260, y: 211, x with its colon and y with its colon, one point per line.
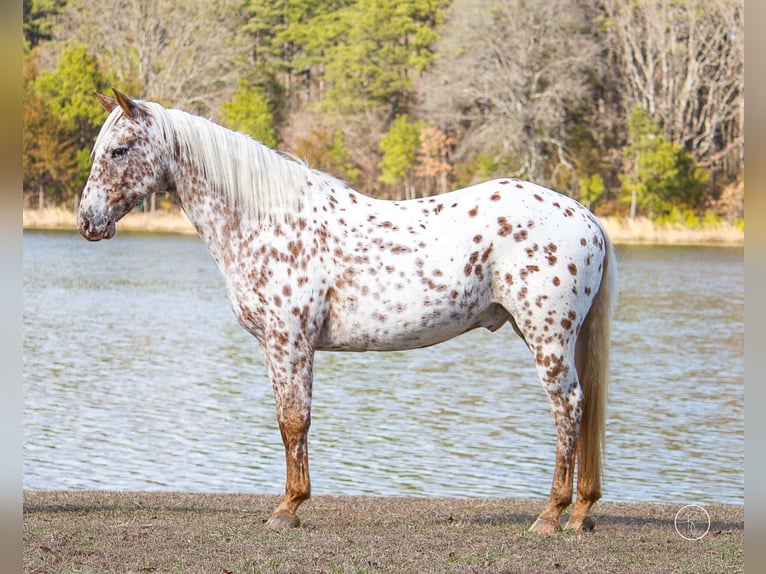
x: 159, y: 532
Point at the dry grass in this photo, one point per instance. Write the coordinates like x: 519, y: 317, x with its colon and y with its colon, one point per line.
x: 622, y: 231
x: 643, y: 230
x: 63, y: 219
x: 108, y: 532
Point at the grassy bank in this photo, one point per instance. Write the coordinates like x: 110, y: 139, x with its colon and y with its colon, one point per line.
x: 64, y: 219
x: 168, y: 532
x: 622, y: 231
x: 643, y: 230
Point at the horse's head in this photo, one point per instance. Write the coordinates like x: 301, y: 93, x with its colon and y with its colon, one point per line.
x: 128, y: 165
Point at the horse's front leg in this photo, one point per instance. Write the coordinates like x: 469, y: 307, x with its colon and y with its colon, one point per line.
x: 290, y: 371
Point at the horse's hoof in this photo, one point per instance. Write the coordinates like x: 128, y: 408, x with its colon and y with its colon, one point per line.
x: 586, y: 524
x: 545, y: 526
x: 282, y: 522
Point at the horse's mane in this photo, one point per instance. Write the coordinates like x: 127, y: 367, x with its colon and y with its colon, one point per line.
x: 250, y: 175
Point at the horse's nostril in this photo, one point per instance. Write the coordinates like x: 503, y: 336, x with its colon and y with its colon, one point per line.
x: 86, y: 226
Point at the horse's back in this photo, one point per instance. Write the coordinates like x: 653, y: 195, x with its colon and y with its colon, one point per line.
x: 414, y: 273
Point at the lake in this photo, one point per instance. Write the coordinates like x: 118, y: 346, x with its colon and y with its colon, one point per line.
x: 138, y: 377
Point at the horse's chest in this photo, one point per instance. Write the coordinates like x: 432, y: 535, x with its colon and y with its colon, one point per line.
x: 273, y: 283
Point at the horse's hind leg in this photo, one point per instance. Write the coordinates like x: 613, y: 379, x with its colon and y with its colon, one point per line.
x: 592, y: 367
x: 588, y: 493
x: 559, y: 378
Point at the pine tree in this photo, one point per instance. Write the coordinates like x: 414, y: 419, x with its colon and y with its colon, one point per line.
x: 249, y: 112
x: 400, y: 147
x: 663, y: 174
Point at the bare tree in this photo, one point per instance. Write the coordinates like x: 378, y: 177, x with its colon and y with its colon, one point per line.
x: 187, y: 54
x: 683, y: 62
x: 504, y: 75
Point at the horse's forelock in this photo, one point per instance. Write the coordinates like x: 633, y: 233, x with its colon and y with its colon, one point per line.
x: 150, y: 111
x: 106, y: 130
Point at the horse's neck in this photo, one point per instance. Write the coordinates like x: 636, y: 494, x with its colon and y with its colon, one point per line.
x: 205, y: 207
x: 220, y: 225
x: 214, y: 168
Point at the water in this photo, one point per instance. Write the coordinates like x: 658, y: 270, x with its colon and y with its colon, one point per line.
x: 137, y: 377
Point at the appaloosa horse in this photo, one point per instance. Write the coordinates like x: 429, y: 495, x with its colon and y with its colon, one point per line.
x: 311, y: 264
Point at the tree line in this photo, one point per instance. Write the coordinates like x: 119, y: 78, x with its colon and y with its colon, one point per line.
x: 634, y: 107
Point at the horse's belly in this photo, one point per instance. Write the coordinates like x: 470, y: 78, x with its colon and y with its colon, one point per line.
x: 393, y: 338
x: 412, y: 326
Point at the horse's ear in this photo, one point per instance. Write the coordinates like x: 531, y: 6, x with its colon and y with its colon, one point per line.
x: 108, y: 103
x: 128, y: 106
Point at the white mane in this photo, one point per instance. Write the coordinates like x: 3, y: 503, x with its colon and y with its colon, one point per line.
x: 250, y: 175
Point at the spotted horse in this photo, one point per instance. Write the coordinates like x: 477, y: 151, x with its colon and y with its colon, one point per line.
x: 310, y: 264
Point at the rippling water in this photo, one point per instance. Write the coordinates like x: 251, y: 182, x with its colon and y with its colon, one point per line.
x: 137, y: 377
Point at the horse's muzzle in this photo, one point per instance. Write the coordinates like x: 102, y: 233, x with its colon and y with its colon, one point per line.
x: 95, y: 228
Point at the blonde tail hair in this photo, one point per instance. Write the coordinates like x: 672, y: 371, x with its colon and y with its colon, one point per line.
x: 592, y: 363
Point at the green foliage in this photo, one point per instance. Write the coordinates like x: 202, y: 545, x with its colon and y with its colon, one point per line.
x: 589, y: 144
x: 341, y: 159
x: 487, y: 165
x: 266, y: 19
x: 482, y: 167
x: 39, y: 20
x: 274, y: 26
x: 663, y: 174
x: 61, y: 121
x: 49, y: 153
x: 68, y: 91
x: 388, y: 41
x: 289, y: 38
x: 680, y: 217
x: 357, y: 59
x: 249, y: 112
x: 711, y: 220
x: 369, y: 49
x: 399, y: 147
x: 591, y: 189
x: 689, y: 219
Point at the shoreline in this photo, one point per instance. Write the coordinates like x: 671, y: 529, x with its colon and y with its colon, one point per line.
x: 642, y: 231
x: 105, y: 531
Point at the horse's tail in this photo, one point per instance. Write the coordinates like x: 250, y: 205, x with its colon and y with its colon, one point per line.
x: 592, y: 362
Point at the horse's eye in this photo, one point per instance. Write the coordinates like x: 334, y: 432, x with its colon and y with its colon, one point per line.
x: 119, y: 152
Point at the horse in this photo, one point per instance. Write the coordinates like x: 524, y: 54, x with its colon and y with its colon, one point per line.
x: 311, y: 265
